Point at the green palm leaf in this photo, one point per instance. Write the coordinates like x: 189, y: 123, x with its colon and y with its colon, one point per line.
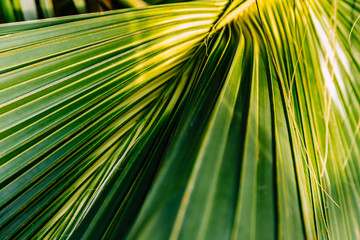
x: 241, y: 117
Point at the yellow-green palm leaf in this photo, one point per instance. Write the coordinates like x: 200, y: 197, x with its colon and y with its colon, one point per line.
x: 199, y: 120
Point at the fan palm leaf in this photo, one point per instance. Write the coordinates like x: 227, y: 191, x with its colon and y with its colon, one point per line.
x: 241, y: 117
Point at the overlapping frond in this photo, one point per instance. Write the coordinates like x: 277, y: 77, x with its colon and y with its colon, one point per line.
x: 273, y: 165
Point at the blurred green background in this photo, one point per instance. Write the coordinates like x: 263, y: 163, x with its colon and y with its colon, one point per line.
x: 20, y: 10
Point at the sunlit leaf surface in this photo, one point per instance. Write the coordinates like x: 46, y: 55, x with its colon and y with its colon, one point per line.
x: 199, y: 120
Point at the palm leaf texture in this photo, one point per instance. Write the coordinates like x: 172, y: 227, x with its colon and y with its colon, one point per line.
x: 199, y: 120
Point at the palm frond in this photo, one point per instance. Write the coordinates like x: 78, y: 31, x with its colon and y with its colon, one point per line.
x: 246, y: 114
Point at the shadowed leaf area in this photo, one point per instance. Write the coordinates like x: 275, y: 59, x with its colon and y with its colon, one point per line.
x: 188, y: 120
